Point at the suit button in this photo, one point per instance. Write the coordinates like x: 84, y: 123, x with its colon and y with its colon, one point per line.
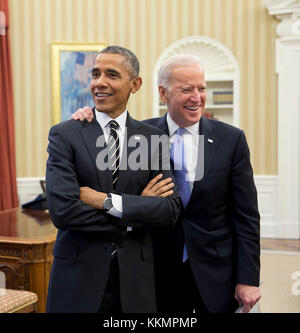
x: 109, y: 249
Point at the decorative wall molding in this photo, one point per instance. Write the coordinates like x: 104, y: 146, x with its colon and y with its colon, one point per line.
x: 28, y: 188
x: 288, y: 71
x: 215, y: 56
x: 267, y: 189
x: 288, y: 12
x: 273, y: 224
x: 283, y: 7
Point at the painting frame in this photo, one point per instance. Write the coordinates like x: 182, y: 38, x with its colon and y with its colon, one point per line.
x: 56, y: 70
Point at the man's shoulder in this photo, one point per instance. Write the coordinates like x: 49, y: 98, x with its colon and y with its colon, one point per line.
x: 149, y: 127
x: 152, y: 121
x: 67, y: 126
x: 220, y: 126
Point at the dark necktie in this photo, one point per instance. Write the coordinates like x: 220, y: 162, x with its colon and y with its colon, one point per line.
x: 113, y: 145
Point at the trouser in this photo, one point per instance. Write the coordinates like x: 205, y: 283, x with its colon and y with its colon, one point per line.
x: 188, y: 297
x: 111, y: 302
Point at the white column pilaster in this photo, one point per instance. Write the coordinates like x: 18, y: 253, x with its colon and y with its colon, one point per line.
x: 288, y: 71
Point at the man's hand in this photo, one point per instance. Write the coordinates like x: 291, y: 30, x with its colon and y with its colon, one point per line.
x: 247, y: 296
x: 83, y: 113
x: 92, y: 198
x: 156, y: 188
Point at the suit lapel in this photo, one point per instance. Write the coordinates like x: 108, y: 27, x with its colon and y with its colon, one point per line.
x: 210, y: 143
x: 210, y: 147
x: 163, y: 124
x: 92, y: 134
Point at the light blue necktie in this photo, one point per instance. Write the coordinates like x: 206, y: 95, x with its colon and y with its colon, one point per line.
x: 180, y: 173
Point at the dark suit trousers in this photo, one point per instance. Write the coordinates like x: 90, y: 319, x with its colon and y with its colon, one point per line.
x: 111, y: 302
x: 188, y: 295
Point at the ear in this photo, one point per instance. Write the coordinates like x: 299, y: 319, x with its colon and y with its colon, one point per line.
x: 163, y: 93
x: 136, y: 84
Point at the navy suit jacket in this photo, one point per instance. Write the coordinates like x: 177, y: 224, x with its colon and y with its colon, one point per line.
x: 220, y: 224
x: 85, y: 237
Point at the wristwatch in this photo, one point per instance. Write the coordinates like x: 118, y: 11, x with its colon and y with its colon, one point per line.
x: 107, y: 203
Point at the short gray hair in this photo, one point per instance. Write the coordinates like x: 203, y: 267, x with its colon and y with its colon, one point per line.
x: 183, y: 59
x: 132, y: 60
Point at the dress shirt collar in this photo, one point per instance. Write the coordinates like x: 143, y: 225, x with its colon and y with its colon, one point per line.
x: 194, y: 129
x: 103, y: 119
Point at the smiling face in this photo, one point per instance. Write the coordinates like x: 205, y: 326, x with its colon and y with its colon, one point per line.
x: 111, y: 84
x: 186, y: 94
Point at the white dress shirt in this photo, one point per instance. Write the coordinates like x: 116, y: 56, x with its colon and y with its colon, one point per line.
x: 103, y: 120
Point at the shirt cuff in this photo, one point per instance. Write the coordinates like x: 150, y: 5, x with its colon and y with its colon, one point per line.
x: 117, y: 208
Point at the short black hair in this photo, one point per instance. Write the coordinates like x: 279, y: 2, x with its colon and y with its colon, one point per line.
x: 133, y: 61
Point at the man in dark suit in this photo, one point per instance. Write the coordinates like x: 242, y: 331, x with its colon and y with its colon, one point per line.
x: 210, y: 262
x: 103, y: 256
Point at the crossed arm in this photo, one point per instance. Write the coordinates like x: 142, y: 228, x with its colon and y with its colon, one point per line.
x: 155, y: 188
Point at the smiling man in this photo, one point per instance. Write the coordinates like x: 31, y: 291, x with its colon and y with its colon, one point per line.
x: 103, y: 258
x: 215, y: 248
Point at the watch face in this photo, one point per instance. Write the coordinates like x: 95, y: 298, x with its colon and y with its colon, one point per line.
x: 107, y: 204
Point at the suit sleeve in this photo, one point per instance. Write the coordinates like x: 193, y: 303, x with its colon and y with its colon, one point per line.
x: 67, y: 211
x: 246, y: 218
x: 153, y: 211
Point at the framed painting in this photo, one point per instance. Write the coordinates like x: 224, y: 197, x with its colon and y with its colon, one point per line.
x: 71, y: 73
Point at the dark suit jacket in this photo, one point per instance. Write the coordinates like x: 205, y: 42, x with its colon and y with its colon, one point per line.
x: 220, y: 224
x: 85, y: 237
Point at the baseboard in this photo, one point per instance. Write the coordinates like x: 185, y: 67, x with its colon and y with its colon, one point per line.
x: 267, y: 189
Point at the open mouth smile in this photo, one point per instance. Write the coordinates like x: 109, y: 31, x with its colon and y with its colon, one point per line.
x: 102, y: 95
x: 192, y: 108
